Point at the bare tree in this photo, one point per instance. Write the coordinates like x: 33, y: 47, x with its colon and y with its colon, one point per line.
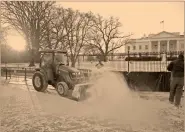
x: 3, y: 34
x: 77, y: 26
x: 90, y: 50
x: 105, y: 36
x: 30, y: 19
x: 55, y: 32
x: 4, y: 47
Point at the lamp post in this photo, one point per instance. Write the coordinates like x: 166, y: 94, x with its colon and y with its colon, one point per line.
x: 6, y: 54
x: 128, y: 60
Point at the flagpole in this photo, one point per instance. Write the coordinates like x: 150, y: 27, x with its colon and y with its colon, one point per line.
x: 162, y: 22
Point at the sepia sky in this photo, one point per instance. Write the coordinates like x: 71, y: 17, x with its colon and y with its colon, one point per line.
x: 136, y: 17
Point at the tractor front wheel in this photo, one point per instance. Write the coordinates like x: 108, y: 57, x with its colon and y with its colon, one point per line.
x: 39, y: 81
x: 62, y: 89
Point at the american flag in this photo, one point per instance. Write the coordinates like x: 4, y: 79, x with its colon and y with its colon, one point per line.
x: 162, y: 22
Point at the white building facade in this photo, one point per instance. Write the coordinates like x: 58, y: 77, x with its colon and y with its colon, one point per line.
x: 161, y: 42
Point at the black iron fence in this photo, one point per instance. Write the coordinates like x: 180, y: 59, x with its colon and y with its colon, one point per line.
x: 17, y: 72
x: 25, y: 73
x: 126, y: 62
x: 138, y: 62
x: 146, y: 70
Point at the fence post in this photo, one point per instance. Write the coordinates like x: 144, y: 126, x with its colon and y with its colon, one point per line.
x: 9, y: 73
x: 160, y: 60
x: 83, y: 58
x: 166, y: 60
x: 6, y: 73
x: 25, y: 74
x: 128, y: 60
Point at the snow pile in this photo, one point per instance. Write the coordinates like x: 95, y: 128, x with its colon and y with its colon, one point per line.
x: 110, y: 97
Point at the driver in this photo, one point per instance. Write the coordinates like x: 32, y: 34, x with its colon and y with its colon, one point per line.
x: 58, y: 60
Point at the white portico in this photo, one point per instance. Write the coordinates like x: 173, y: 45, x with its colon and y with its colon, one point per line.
x: 161, y: 42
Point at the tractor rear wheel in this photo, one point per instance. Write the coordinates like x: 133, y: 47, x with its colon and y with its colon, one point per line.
x: 62, y: 89
x: 39, y: 81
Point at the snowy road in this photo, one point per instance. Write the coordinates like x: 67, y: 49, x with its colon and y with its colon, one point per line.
x: 28, y: 111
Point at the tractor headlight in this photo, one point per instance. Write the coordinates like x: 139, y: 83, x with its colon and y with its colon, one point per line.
x: 73, y: 73
x: 76, y: 75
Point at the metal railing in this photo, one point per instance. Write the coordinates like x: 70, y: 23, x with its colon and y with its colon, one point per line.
x: 27, y: 72
x: 129, y: 62
x: 16, y: 72
x: 133, y: 62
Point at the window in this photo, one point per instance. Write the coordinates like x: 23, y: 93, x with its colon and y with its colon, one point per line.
x: 140, y: 47
x: 128, y: 47
x: 134, y: 47
x: 182, y: 46
x: 163, y: 45
x: 173, y: 45
x: 154, y: 46
x: 146, y: 47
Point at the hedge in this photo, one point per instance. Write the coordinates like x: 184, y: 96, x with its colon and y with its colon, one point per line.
x: 148, y: 58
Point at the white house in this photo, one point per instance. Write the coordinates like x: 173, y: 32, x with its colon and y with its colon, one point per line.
x: 163, y: 41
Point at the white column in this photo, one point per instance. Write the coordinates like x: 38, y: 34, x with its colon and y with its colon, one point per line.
x: 168, y: 45
x: 149, y: 46
x: 158, y: 46
x: 178, y: 46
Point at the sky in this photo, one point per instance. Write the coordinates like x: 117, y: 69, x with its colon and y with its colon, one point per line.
x: 138, y: 18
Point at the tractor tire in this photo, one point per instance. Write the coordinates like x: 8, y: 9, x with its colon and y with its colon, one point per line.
x: 62, y: 89
x: 39, y: 82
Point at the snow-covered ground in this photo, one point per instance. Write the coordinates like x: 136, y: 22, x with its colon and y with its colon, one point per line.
x: 111, y: 108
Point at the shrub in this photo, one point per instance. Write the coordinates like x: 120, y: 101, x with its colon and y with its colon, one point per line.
x: 143, y: 58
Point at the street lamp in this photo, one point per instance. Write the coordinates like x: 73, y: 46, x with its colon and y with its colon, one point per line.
x: 128, y: 59
x: 6, y: 54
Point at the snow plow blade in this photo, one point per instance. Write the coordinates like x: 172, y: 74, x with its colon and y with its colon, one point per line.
x: 79, y: 93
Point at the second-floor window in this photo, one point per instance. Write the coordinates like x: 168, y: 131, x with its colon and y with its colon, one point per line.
x: 182, y: 46
x: 140, y: 47
x: 134, y: 47
x: 154, y: 45
x: 128, y: 47
x: 146, y: 47
x: 172, y: 45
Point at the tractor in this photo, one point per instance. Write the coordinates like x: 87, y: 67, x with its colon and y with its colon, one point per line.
x: 54, y: 70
